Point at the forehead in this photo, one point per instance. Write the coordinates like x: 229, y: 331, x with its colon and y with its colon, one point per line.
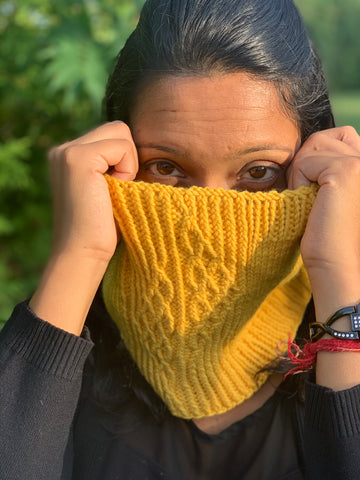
x: 230, y: 91
x: 213, y: 107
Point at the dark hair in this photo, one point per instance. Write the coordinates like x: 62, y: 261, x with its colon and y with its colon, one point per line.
x: 198, y: 37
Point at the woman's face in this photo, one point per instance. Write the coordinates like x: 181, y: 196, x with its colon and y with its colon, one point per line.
x: 227, y: 131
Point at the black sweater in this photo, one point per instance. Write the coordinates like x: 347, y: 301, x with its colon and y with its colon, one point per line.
x: 51, y: 427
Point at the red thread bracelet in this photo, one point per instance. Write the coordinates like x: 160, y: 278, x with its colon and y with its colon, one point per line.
x: 305, y: 358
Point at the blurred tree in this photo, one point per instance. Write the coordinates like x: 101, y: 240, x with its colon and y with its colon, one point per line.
x: 54, y: 61
x: 333, y: 26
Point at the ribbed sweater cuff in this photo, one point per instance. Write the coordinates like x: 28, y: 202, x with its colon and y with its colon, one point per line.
x: 44, y: 346
x: 334, y: 413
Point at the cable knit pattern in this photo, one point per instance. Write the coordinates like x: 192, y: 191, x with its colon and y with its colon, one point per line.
x: 204, y: 285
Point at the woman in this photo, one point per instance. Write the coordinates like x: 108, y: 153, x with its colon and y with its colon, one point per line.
x: 220, y: 94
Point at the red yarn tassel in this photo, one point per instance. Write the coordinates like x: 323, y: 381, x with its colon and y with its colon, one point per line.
x: 305, y: 358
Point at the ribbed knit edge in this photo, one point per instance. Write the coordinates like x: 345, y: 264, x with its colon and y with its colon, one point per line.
x: 46, y: 347
x: 335, y: 413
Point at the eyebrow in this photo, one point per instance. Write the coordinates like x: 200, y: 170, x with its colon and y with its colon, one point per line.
x: 163, y: 148
x: 261, y: 148
x: 257, y: 148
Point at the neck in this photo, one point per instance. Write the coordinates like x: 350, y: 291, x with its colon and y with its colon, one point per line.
x: 217, y: 423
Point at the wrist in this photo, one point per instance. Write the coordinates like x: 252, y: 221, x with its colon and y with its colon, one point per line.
x: 344, y: 324
x: 66, y: 290
x: 81, y: 252
x: 333, y: 290
x: 337, y: 362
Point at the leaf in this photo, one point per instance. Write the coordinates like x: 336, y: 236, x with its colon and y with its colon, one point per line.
x: 6, y: 226
x: 14, y: 170
x: 75, y: 64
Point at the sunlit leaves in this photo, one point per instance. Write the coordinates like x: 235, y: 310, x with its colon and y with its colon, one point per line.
x: 14, y: 167
x: 54, y: 61
x: 75, y: 65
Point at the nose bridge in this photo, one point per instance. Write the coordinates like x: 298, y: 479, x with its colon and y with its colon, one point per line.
x: 216, y: 179
x: 213, y: 170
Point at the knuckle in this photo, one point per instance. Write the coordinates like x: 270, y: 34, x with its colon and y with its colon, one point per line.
x: 319, y: 134
x: 70, y: 155
x: 313, y: 136
x: 55, y: 152
x: 349, y: 131
x: 122, y: 128
x: 295, y: 169
x: 128, y: 145
x: 314, y: 140
x: 350, y: 136
x: 353, y: 166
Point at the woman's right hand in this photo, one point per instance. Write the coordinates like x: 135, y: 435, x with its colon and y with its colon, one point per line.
x: 83, y: 219
x: 85, y: 235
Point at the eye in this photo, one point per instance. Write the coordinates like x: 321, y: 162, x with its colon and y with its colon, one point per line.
x: 258, y: 172
x: 163, y: 168
x: 262, y: 175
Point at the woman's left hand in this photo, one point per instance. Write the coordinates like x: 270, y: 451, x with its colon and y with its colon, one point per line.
x: 331, y: 244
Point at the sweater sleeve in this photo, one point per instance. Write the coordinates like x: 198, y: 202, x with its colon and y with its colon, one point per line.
x: 40, y: 380
x: 332, y: 433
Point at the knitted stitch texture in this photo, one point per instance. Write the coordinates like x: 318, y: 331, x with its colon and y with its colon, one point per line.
x: 204, y: 286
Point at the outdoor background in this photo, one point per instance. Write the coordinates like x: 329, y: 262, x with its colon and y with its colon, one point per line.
x: 54, y: 61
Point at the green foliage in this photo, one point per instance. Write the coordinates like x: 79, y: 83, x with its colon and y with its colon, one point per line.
x: 333, y: 26
x: 346, y: 107
x: 54, y: 61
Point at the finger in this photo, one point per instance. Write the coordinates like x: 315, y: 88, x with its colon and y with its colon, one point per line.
x: 116, y: 129
x: 328, y: 167
x: 108, y: 131
x: 327, y: 143
x: 347, y: 135
x: 341, y: 139
x: 100, y: 155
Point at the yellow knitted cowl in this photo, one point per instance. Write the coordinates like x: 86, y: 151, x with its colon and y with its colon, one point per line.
x: 204, y: 286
